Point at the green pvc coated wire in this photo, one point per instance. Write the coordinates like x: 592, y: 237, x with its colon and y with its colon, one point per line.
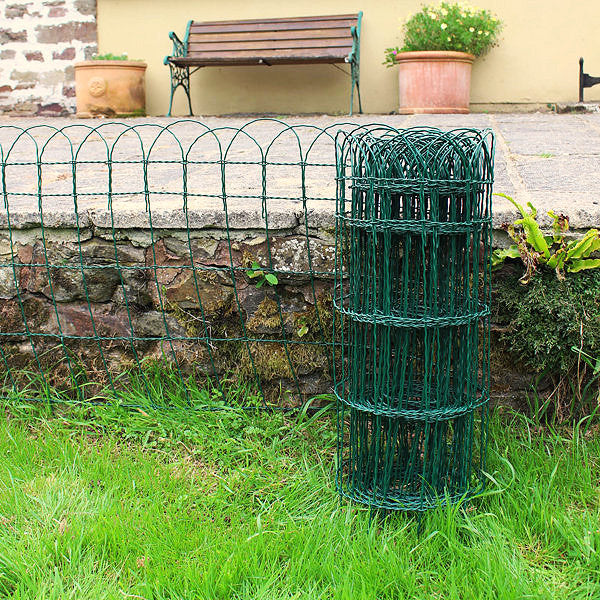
x: 413, y: 248
x: 115, y: 163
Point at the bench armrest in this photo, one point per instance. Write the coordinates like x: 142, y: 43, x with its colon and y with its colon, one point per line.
x: 179, y: 47
x: 354, y: 55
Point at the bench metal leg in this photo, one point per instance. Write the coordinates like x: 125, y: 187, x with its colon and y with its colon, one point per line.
x: 171, y: 99
x: 187, y: 93
x: 354, y: 73
x: 180, y: 76
x: 359, y: 102
x: 355, y: 83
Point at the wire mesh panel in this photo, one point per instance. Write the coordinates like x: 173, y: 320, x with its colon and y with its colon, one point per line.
x: 152, y: 262
x: 413, y: 290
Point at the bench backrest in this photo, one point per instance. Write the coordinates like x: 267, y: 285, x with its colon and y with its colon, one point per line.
x: 325, y: 39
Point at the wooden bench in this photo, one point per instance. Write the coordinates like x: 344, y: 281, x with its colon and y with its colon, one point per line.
x: 289, y: 41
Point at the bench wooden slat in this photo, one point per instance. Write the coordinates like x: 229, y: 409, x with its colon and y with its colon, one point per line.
x: 199, y: 28
x: 201, y: 47
x: 298, y: 34
x: 302, y: 53
x: 278, y: 19
x: 346, y: 17
x: 254, y: 61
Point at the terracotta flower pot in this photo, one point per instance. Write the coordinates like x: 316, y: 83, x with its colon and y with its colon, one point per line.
x: 110, y: 88
x: 434, y: 81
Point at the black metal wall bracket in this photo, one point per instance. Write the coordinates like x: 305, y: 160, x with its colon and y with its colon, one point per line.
x: 585, y: 80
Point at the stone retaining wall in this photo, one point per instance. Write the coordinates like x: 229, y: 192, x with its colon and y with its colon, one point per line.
x: 157, y: 294
x: 40, y: 41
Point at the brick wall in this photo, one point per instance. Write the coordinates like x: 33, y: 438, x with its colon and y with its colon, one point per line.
x: 40, y: 41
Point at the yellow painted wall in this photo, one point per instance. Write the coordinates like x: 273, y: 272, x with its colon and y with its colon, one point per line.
x: 536, y: 61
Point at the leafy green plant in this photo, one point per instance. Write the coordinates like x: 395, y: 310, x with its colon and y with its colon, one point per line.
x: 536, y: 327
x: 448, y: 26
x: 257, y: 272
x: 110, y: 56
x: 302, y: 325
x: 554, y: 251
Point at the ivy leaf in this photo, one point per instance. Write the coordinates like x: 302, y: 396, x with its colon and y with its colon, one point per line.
x: 302, y: 331
x: 271, y: 279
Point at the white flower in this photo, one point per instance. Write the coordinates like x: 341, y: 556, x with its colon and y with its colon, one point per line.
x: 471, y: 29
x: 444, y: 11
x: 443, y: 25
x: 432, y: 16
x: 449, y: 39
x: 487, y: 33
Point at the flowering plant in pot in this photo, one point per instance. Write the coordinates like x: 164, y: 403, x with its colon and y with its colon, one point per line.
x: 110, y: 85
x: 440, y: 44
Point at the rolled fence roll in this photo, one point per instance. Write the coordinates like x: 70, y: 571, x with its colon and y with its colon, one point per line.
x: 413, y: 250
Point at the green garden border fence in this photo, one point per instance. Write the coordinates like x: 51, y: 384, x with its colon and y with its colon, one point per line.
x: 167, y: 264
x: 413, y: 274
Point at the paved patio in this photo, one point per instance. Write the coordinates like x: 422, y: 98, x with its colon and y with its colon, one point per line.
x: 550, y: 160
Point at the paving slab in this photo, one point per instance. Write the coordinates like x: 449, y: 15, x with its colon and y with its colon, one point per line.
x: 550, y: 160
x: 548, y: 135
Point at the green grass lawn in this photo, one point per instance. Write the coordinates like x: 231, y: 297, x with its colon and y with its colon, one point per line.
x: 105, y: 503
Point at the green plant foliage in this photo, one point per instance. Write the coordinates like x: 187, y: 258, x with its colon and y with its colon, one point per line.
x: 555, y: 252
x: 593, y: 362
x: 257, y: 272
x: 542, y: 322
x: 448, y: 26
x: 302, y: 327
x: 110, y: 56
